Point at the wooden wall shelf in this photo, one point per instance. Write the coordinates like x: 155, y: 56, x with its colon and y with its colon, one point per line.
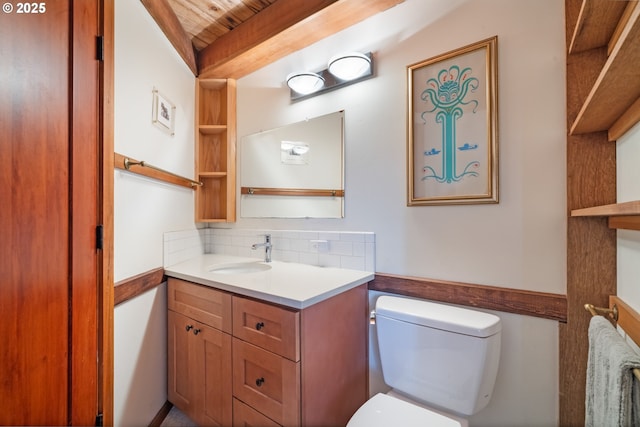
x: 596, y: 24
x: 617, y: 87
x: 615, y: 209
x: 621, y: 215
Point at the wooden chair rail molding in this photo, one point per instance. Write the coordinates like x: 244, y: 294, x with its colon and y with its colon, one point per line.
x: 529, y: 303
x: 130, y: 288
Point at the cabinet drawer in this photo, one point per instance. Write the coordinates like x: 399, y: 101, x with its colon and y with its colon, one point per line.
x: 268, y: 326
x: 245, y: 416
x: 207, y: 305
x: 267, y: 382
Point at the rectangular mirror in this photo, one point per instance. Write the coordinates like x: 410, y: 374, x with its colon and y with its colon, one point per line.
x: 295, y: 171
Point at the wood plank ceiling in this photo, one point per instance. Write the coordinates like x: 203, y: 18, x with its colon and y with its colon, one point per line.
x: 233, y: 38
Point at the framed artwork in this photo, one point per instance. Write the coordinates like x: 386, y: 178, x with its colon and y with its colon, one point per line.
x: 163, y: 112
x: 452, y: 153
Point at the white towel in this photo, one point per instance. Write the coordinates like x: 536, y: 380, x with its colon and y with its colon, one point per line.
x: 612, y: 392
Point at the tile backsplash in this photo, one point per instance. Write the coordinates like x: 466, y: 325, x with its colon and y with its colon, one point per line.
x: 355, y: 250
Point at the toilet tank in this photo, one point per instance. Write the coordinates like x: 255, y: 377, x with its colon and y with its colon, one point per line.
x: 444, y: 356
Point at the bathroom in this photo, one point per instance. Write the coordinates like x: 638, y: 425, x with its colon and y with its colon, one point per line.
x: 518, y: 243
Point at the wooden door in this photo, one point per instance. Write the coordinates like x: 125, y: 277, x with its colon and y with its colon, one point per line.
x: 50, y: 189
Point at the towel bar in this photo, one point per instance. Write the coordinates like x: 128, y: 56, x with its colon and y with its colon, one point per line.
x: 613, y: 314
x: 610, y: 312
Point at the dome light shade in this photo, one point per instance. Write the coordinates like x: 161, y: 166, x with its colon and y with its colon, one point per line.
x: 305, y: 83
x: 349, y: 66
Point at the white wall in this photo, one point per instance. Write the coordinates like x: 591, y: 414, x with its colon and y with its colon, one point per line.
x: 518, y: 243
x: 628, y: 245
x: 145, y: 208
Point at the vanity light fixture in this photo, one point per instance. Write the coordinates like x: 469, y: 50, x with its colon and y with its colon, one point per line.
x: 349, y: 66
x: 305, y: 83
x: 342, y: 70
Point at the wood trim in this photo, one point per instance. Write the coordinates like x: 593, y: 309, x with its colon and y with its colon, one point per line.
x: 161, y: 415
x: 625, y: 122
x: 630, y: 222
x: 528, y: 303
x: 165, y: 17
x: 130, y: 288
x: 628, y: 318
x: 106, y: 189
x: 85, y: 211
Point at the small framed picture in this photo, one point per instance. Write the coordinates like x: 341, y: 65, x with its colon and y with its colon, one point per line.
x: 164, y: 112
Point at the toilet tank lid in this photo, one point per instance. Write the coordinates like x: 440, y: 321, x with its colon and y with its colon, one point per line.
x: 439, y: 316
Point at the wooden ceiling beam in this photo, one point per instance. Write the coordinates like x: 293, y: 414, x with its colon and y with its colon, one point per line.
x: 165, y: 17
x: 255, y: 31
x: 282, y: 28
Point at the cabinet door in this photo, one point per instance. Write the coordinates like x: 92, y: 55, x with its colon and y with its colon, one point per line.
x: 199, y: 370
x: 181, y: 363
x: 213, y: 354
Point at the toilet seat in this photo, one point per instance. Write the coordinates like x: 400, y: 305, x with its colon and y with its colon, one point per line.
x: 383, y: 410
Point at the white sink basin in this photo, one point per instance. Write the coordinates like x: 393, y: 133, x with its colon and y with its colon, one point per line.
x: 240, y: 268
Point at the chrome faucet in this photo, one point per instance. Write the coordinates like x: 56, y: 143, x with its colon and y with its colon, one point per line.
x: 267, y: 247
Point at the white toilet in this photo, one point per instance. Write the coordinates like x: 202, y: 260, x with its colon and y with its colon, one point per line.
x: 441, y: 362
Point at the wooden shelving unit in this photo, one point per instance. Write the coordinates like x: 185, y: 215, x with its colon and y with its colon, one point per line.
x: 612, y: 103
x: 216, y: 150
x: 603, y: 52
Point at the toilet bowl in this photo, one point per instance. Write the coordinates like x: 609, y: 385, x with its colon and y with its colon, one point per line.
x: 441, y: 362
x: 387, y: 410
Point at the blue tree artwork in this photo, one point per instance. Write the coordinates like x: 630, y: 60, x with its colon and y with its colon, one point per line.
x: 453, y: 149
x: 452, y: 89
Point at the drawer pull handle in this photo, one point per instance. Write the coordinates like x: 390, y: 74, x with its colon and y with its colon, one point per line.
x: 189, y: 327
x: 259, y: 382
x: 259, y: 325
x: 196, y: 331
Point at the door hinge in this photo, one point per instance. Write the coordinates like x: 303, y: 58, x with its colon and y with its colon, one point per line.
x: 100, y: 236
x: 99, y: 420
x: 100, y: 48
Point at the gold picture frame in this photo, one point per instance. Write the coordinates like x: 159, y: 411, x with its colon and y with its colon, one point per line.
x: 452, y: 144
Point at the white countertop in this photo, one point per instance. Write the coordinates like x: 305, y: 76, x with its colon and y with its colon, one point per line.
x: 287, y: 283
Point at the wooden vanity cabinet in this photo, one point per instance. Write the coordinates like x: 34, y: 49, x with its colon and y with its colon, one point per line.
x: 199, y: 352
x: 288, y: 367
x: 304, y: 367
